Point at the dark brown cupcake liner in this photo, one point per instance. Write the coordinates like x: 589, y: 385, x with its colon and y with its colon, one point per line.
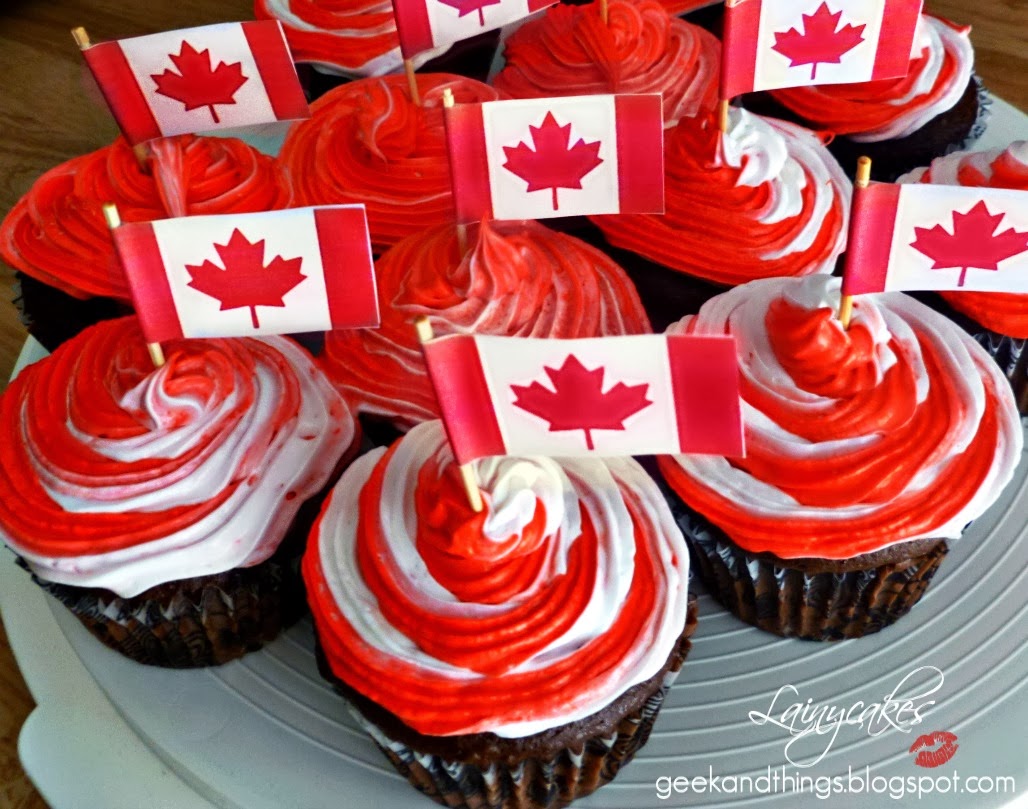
x: 203, y: 621
x: 792, y: 597
x: 548, y: 770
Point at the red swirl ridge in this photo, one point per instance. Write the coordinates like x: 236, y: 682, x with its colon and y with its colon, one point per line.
x: 367, y: 143
x: 57, y: 234
x: 519, y: 279
x: 122, y: 476
x: 353, y: 36
x: 898, y: 428
x: 777, y: 206
x: 571, y: 51
x: 1003, y: 312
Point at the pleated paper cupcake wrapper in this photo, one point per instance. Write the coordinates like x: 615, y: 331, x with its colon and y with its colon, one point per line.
x: 532, y: 783
x: 795, y: 603
x: 206, y: 623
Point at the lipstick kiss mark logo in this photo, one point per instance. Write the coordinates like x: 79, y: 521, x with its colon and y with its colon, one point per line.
x: 934, y: 749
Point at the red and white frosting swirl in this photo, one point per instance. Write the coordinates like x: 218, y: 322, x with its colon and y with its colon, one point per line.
x: 571, y: 51
x: 569, y: 588
x: 350, y: 37
x: 900, y: 428
x: 1003, y: 312
x: 366, y: 142
x: 519, y: 279
x: 765, y: 199
x: 940, y: 69
x: 57, y: 234
x: 118, y: 475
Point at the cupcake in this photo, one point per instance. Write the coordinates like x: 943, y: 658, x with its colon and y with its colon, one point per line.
x: 366, y: 142
x: 569, y: 50
x: 999, y: 321
x: 764, y: 200
x: 901, y: 123
x: 57, y: 239
x: 868, y: 450
x: 167, y: 508
x: 519, y: 279
x: 514, y: 658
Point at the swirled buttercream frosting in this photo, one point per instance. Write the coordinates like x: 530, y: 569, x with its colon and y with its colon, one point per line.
x: 940, y: 69
x: 366, y: 142
x: 117, y: 475
x: 769, y: 200
x: 351, y: 37
x: 900, y: 428
x: 1005, y: 313
x: 57, y: 234
x: 519, y: 279
x: 642, y: 49
x: 568, y: 589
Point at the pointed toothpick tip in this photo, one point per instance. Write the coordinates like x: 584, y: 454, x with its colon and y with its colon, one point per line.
x: 863, y: 176
x: 81, y: 37
x: 111, y: 215
x: 424, y: 329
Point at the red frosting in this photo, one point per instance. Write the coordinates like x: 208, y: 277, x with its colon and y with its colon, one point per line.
x: 520, y: 278
x: 712, y: 227
x: 571, y: 51
x: 367, y: 143
x: 57, y: 233
x: 1003, y: 312
x: 343, y: 33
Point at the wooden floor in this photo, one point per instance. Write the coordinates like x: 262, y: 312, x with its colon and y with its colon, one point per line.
x: 49, y: 113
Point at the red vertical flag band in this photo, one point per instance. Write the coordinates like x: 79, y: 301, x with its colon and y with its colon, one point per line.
x: 271, y: 53
x: 412, y: 26
x: 899, y: 26
x: 455, y: 368
x: 705, y: 381
x: 119, y: 87
x: 344, y: 242
x: 148, y: 282
x: 738, y: 51
x: 872, y: 223
x: 469, y: 163
x: 640, y: 149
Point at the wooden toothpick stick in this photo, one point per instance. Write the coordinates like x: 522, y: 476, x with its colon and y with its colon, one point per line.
x: 604, y: 12
x: 462, y: 230
x: 412, y: 82
x: 467, y: 472
x: 862, y: 180
x: 722, y: 115
x: 114, y: 222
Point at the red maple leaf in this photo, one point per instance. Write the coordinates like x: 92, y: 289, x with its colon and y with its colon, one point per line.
x: 245, y: 280
x: 973, y: 243
x: 199, y: 85
x: 553, y: 164
x: 821, y: 41
x: 578, y: 402
x: 467, y: 6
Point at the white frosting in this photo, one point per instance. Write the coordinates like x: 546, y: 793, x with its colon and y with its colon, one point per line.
x: 510, y: 487
x: 782, y: 155
x: 890, y: 316
x: 946, y: 170
x: 283, y: 469
x: 939, y: 40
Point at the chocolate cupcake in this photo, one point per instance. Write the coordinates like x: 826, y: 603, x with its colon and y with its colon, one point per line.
x: 58, y: 241
x: 867, y: 451
x: 167, y: 507
x: 513, y: 658
x: 938, y: 107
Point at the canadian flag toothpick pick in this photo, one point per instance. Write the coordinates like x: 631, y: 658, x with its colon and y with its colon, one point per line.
x: 280, y: 272
x: 426, y: 24
x: 627, y: 395
x: 916, y: 237
x: 197, y: 79
x: 545, y: 157
x: 771, y: 44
